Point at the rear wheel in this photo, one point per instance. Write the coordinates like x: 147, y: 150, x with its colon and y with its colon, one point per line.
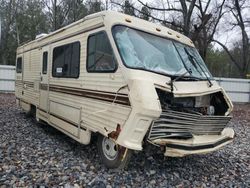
x: 113, y: 155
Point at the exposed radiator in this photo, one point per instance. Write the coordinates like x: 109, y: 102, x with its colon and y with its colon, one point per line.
x: 175, y: 124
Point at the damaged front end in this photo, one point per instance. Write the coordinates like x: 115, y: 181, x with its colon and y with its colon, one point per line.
x: 191, y: 125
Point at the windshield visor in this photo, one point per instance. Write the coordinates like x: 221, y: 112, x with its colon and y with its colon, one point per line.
x: 141, y: 50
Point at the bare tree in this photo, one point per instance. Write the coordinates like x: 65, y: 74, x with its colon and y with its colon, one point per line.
x: 199, y: 20
x: 186, y: 9
x: 148, y: 14
x: 236, y: 8
x: 58, y: 11
x: 209, y: 17
x: 77, y: 10
x: 95, y: 6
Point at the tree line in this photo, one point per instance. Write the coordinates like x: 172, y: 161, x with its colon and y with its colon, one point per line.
x: 22, y: 20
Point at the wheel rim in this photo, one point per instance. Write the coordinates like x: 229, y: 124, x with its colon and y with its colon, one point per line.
x: 110, y: 149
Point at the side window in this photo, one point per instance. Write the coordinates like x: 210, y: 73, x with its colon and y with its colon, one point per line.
x: 66, y: 61
x: 45, y: 62
x: 100, y: 57
x: 19, y: 65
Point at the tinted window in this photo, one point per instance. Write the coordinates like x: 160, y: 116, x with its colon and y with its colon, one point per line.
x: 19, y: 65
x: 66, y: 61
x: 45, y: 62
x: 100, y: 55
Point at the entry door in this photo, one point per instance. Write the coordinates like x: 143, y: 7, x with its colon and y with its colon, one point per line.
x: 44, y: 87
x: 19, y: 76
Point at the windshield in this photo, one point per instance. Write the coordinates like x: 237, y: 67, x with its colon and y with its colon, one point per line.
x: 141, y: 50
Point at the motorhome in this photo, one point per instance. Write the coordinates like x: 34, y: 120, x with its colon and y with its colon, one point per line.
x: 128, y: 81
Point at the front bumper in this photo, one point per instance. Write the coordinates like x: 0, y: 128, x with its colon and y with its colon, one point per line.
x: 197, y: 145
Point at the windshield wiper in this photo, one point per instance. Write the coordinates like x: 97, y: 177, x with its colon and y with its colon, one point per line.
x: 182, y: 60
x: 188, y: 70
x: 194, y: 62
x: 171, y: 83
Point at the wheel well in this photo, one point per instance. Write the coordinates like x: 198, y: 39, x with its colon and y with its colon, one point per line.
x: 32, y: 110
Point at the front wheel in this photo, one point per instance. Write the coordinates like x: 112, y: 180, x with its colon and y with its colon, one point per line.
x: 113, y: 155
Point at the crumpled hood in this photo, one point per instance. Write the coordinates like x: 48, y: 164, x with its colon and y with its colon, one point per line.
x: 194, y: 88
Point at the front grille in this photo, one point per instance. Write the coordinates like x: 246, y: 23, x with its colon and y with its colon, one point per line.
x: 175, y: 124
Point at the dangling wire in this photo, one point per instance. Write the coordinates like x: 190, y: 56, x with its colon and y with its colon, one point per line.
x: 106, y: 109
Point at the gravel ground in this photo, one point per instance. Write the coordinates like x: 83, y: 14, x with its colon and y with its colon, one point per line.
x: 38, y: 155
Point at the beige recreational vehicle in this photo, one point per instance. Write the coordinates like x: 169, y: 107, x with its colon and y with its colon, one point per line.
x: 129, y: 81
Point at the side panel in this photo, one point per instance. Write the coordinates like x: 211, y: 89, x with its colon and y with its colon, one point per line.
x: 31, y: 76
x: 92, y: 94
x: 94, y: 102
x: 27, y: 82
x: 66, y: 111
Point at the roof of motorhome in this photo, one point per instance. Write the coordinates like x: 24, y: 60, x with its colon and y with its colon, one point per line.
x: 113, y: 18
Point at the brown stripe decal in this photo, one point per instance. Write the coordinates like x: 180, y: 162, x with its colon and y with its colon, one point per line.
x: 21, y: 83
x: 43, y: 86
x: 93, y: 94
x: 29, y: 85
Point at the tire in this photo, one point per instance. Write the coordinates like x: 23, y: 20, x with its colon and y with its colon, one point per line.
x: 112, y: 155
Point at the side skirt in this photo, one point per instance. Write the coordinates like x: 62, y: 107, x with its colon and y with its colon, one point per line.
x: 74, y: 131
